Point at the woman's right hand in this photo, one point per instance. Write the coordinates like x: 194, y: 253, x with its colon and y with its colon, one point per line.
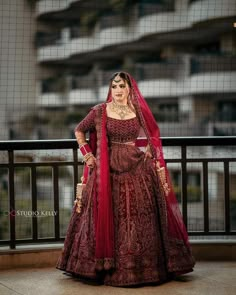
x: 91, y: 162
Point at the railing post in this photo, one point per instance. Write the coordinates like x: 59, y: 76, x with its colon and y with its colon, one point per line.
x: 184, y: 184
x: 34, y: 202
x: 205, y: 197
x: 56, y: 203
x: 12, y: 212
x: 227, y: 199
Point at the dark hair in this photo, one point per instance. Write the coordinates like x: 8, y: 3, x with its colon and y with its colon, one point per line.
x: 123, y: 76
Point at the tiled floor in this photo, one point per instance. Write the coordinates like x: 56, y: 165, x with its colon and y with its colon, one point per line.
x: 210, y: 278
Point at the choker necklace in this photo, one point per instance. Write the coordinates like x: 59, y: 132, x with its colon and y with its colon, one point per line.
x: 121, y: 110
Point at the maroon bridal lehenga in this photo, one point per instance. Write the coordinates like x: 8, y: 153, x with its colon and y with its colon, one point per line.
x: 148, y: 239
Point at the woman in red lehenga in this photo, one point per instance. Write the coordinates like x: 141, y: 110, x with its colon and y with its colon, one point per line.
x: 130, y: 230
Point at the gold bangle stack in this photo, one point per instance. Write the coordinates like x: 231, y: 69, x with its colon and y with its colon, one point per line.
x: 87, y: 156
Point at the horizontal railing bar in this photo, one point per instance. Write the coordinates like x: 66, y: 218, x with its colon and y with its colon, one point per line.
x: 32, y: 241
x: 199, y: 141
x: 51, y: 164
x: 42, y: 240
x: 40, y: 164
x: 38, y: 144
x: 211, y: 233
x: 71, y: 143
x: 200, y: 160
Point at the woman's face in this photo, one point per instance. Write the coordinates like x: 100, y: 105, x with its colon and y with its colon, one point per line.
x: 120, y: 90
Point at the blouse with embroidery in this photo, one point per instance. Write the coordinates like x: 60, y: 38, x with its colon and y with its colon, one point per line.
x: 117, y: 130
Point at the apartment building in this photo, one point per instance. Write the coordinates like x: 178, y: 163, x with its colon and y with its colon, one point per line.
x: 182, y: 53
x: 18, y: 70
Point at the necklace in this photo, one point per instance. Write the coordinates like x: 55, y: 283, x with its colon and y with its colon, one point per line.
x: 121, y: 110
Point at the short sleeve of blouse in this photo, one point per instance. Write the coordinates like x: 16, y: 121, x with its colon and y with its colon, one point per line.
x: 88, y: 123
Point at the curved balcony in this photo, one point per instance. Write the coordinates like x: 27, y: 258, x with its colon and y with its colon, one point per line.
x: 45, y: 6
x: 223, y: 82
x: 213, y: 63
x: 80, y: 45
x: 156, y: 23
x: 53, y: 52
x: 82, y: 96
x: 51, y: 100
x: 221, y: 128
x: 164, y: 69
x: 114, y: 35
x: 198, y: 11
x: 203, y: 10
x: 161, y: 23
x: 102, y: 95
x: 159, y: 88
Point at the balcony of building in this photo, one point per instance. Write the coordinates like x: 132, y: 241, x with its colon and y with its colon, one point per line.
x: 150, y: 28
x: 212, y: 73
x: 83, y: 90
x: 52, y: 92
x: 45, y: 6
x: 222, y: 122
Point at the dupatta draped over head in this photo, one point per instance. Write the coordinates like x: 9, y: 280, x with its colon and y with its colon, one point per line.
x: 173, y: 231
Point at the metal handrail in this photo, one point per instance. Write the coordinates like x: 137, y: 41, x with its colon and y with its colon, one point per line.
x: 11, y: 147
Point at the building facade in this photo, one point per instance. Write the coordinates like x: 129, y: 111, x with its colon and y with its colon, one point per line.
x: 18, y: 70
x: 182, y: 53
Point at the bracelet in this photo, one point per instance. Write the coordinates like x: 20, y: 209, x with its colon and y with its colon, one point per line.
x: 85, y: 151
x: 87, y: 156
x: 85, y: 148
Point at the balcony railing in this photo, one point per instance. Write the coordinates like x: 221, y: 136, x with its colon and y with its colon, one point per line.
x: 211, y: 63
x: 154, y: 7
x: 18, y: 156
x: 165, y: 69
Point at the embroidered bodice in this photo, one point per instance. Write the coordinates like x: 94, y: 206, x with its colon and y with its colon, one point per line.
x: 122, y: 130
x: 117, y: 130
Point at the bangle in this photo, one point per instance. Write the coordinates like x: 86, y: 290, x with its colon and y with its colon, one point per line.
x: 87, y: 156
x: 85, y: 148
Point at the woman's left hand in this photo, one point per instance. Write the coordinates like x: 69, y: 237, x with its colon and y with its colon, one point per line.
x: 147, y: 155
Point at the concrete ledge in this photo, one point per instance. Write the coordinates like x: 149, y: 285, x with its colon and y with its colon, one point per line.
x: 28, y: 258
x: 46, y: 256
x: 214, y: 250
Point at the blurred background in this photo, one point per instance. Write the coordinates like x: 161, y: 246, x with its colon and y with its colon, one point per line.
x: 57, y: 57
x: 56, y: 60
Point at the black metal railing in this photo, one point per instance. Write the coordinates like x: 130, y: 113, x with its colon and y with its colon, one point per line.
x: 11, y: 148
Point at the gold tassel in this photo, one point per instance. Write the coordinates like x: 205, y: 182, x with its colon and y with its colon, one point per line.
x: 161, y: 172
x: 78, y: 200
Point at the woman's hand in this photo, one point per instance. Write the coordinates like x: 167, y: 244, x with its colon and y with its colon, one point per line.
x: 148, y: 153
x: 91, y: 162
